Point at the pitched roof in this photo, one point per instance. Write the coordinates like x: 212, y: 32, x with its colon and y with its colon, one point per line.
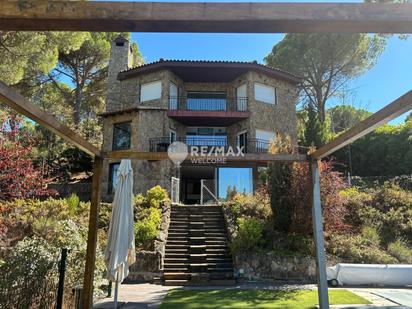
x: 208, y: 71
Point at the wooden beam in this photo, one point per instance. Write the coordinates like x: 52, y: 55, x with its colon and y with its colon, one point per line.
x: 20, y: 104
x: 386, y: 114
x: 87, y: 300
x: 249, y: 17
x: 318, y: 235
x: 249, y: 157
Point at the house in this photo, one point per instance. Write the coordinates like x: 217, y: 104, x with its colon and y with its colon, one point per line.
x: 242, y: 105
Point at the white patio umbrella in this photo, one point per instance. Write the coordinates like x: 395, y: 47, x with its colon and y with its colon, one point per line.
x: 120, y: 251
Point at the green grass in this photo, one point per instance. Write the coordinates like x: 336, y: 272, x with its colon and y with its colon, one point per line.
x: 234, y: 298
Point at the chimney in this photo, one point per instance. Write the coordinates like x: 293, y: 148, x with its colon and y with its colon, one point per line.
x: 120, y: 59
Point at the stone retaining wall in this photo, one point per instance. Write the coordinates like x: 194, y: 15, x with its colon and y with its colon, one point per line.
x: 268, y: 266
x: 149, y: 264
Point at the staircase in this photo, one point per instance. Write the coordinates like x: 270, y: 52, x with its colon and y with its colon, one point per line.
x: 196, y: 248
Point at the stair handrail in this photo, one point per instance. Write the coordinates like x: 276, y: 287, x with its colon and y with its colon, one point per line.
x: 210, y: 192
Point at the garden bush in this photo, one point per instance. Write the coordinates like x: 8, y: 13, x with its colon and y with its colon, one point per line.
x: 148, y: 216
x: 358, y: 249
x: 50, y: 225
x: 147, y: 227
x: 248, y: 237
x: 29, y: 275
x: 401, y: 251
x: 388, y: 208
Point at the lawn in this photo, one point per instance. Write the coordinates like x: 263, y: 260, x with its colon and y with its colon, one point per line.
x: 234, y: 298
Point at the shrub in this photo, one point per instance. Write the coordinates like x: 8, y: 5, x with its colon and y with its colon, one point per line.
x: 358, y: 249
x: 400, y: 250
x: 293, y: 244
x: 295, y: 194
x: 156, y: 195
x: 251, y: 206
x: 147, y: 227
x: 280, y: 183
x: 389, y: 208
x: 248, y: 237
x: 29, y: 275
x: 73, y: 202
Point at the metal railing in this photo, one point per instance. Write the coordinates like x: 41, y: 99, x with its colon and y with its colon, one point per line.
x: 175, y: 190
x: 161, y: 144
x: 208, y: 192
x: 208, y: 104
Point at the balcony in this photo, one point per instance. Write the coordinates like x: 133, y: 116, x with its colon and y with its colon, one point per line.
x: 252, y: 146
x: 208, y: 111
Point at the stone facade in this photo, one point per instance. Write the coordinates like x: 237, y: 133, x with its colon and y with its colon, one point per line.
x: 150, y: 119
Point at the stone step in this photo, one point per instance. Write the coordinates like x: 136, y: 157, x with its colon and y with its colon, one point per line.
x: 198, y: 267
x: 177, y: 242
x: 210, y: 242
x: 177, y: 282
x: 171, y: 248
x: 174, y: 246
x: 175, y: 260
x: 169, y: 255
x: 199, y: 232
x: 175, y: 265
x: 177, y: 276
x: 176, y: 270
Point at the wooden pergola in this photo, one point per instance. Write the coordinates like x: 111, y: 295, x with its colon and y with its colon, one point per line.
x: 18, y: 15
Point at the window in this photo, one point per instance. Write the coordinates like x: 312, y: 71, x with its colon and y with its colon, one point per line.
x: 151, y: 91
x: 172, y: 136
x: 203, y: 136
x: 113, y: 169
x: 209, y: 101
x: 241, y: 98
x: 121, y: 136
x: 263, y: 139
x: 242, y: 140
x: 173, y: 96
x: 265, y: 93
x: 239, y: 179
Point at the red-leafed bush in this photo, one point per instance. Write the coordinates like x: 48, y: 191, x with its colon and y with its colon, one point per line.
x: 331, y: 183
x: 18, y: 177
x: 298, y: 194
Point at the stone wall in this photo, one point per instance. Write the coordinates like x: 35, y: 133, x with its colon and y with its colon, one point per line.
x: 82, y: 189
x: 268, y: 266
x: 149, y: 264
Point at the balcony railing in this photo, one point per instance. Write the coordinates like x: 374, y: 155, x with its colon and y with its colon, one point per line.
x: 208, y: 104
x: 252, y: 146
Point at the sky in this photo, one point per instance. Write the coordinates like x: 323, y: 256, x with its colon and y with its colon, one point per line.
x: 389, y: 79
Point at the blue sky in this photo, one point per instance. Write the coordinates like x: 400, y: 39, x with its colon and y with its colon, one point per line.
x: 389, y: 79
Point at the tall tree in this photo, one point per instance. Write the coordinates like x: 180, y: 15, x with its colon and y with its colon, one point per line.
x: 316, y: 133
x: 325, y: 62
x: 343, y: 117
x: 26, y: 54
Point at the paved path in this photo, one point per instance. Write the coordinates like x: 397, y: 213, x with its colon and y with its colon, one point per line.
x: 137, y: 296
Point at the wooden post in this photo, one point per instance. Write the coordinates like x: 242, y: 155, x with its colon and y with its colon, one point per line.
x: 92, y: 234
x: 318, y: 235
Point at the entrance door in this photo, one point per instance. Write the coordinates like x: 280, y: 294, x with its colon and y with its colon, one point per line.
x: 191, y: 177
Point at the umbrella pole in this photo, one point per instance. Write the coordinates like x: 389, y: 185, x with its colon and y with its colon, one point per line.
x: 116, y: 291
